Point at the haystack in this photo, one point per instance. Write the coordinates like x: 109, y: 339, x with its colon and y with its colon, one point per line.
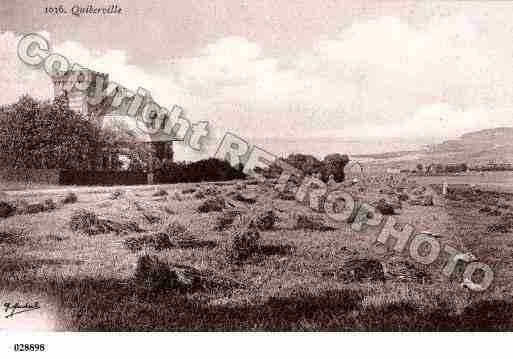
x: 91, y: 224
x: 214, y: 204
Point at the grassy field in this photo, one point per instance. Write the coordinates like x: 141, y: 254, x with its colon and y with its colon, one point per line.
x: 493, y: 180
x: 86, y: 282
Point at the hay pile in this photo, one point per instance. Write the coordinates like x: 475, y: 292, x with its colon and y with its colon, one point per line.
x: 69, y: 198
x: 244, y: 198
x: 33, y: 208
x: 364, y: 269
x: 176, y: 196
x: 158, y: 241
x: 286, y: 195
x: 207, y: 192
x: 6, y: 209
x: 13, y: 236
x: 177, y: 232
x: 265, y: 221
x: 89, y: 223
x: 154, y: 274
x: 171, y: 235
x: 403, y: 271
x: 503, y: 225
x: 117, y: 194
x: 245, y: 241
x: 152, y: 218
x: 161, y: 192
x: 384, y: 207
x: 226, y: 219
x: 213, y: 204
x: 311, y: 223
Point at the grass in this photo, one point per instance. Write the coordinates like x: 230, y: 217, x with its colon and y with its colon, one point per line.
x: 91, y: 279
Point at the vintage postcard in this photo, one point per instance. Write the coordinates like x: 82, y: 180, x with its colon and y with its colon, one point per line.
x: 254, y: 166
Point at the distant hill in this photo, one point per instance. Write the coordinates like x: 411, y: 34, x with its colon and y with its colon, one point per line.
x: 478, y: 147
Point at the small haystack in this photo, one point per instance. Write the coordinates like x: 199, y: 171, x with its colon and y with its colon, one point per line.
x: 13, y: 236
x: 70, y: 198
x: 265, y: 221
x: 245, y: 241
x: 311, y: 223
x: 249, y: 199
x: 154, y: 274
x: 384, y: 207
x: 6, y: 209
x: 226, y: 219
x: 159, y: 193
x: 91, y: 224
x: 117, y: 194
x: 213, y: 204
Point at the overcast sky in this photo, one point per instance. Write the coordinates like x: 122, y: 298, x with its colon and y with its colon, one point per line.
x: 408, y: 72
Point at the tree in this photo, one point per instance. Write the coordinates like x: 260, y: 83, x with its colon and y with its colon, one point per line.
x: 334, y: 165
x: 35, y: 134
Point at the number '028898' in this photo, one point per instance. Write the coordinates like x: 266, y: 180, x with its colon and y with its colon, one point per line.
x: 29, y: 347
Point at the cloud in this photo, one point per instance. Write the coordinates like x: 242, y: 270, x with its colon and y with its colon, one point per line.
x: 17, y: 78
x: 379, y: 78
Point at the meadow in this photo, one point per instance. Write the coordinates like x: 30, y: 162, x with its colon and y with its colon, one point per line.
x: 293, y: 278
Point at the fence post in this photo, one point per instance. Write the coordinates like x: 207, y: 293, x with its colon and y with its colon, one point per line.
x: 444, y: 189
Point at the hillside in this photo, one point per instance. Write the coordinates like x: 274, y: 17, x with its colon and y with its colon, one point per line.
x: 478, y: 147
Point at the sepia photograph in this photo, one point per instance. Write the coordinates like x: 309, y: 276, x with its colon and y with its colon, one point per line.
x: 255, y: 166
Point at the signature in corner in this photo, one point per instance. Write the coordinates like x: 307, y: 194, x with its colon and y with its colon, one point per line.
x: 16, y: 308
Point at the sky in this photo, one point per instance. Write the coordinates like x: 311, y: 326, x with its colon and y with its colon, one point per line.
x: 297, y: 76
